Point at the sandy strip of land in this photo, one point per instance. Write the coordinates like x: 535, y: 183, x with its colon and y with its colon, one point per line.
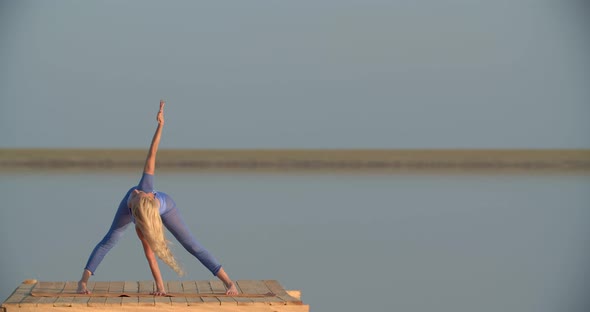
x: 549, y: 160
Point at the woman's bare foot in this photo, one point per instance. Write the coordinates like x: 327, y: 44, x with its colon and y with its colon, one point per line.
x: 231, y: 289
x: 82, y: 283
x: 158, y: 293
x: 82, y: 288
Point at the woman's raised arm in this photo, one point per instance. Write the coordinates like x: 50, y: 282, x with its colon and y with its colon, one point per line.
x: 150, y: 162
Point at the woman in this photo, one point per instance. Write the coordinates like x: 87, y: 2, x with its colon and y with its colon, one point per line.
x: 149, y: 209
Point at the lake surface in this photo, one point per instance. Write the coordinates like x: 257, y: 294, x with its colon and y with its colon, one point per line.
x: 349, y: 242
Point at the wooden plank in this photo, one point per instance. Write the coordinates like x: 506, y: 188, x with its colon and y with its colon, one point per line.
x: 163, y: 300
x: 29, y: 301
x: 176, y: 287
x: 146, y: 287
x: 115, y: 288
x: 50, y: 287
x: 147, y: 295
x: 191, y: 288
x: 243, y: 300
x: 294, y: 293
x: 204, y: 287
x: 277, y: 289
x: 64, y: 300
x: 217, y: 287
x: 202, y: 308
x: 130, y: 288
x: 83, y: 301
x: 258, y: 288
x: 99, y: 287
x: 20, y: 293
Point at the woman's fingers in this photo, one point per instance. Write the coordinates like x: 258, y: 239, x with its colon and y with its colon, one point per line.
x: 160, y: 116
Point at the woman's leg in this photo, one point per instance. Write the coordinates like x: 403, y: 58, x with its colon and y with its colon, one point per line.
x: 175, y: 224
x: 120, y: 223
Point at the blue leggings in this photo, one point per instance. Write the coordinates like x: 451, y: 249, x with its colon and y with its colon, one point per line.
x: 171, y: 220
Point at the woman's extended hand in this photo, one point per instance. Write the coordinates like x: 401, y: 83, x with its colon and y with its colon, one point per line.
x: 158, y: 293
x: 160, y: 117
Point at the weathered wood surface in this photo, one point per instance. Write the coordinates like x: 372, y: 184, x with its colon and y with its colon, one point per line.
x: 254, y: 295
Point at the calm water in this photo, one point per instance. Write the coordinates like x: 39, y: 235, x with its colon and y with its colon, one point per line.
x: 383, y: 242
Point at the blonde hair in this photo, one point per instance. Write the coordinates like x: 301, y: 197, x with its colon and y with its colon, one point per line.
x: 148, y: 220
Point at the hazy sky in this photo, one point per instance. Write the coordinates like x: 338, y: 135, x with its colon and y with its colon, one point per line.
x: 296, y: 74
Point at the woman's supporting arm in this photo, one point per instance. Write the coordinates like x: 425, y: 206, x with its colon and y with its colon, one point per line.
x: 153, y: 263
x: 150, y: 162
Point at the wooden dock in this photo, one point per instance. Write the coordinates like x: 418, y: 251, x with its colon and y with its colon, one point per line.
x: 133, y: 296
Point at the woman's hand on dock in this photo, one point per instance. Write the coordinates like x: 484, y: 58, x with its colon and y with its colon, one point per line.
x: 160, y: 290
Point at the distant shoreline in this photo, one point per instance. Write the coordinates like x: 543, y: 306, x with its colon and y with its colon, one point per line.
x: 347, y: 160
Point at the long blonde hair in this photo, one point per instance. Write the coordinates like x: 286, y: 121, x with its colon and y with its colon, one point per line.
x: 148, y: 220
